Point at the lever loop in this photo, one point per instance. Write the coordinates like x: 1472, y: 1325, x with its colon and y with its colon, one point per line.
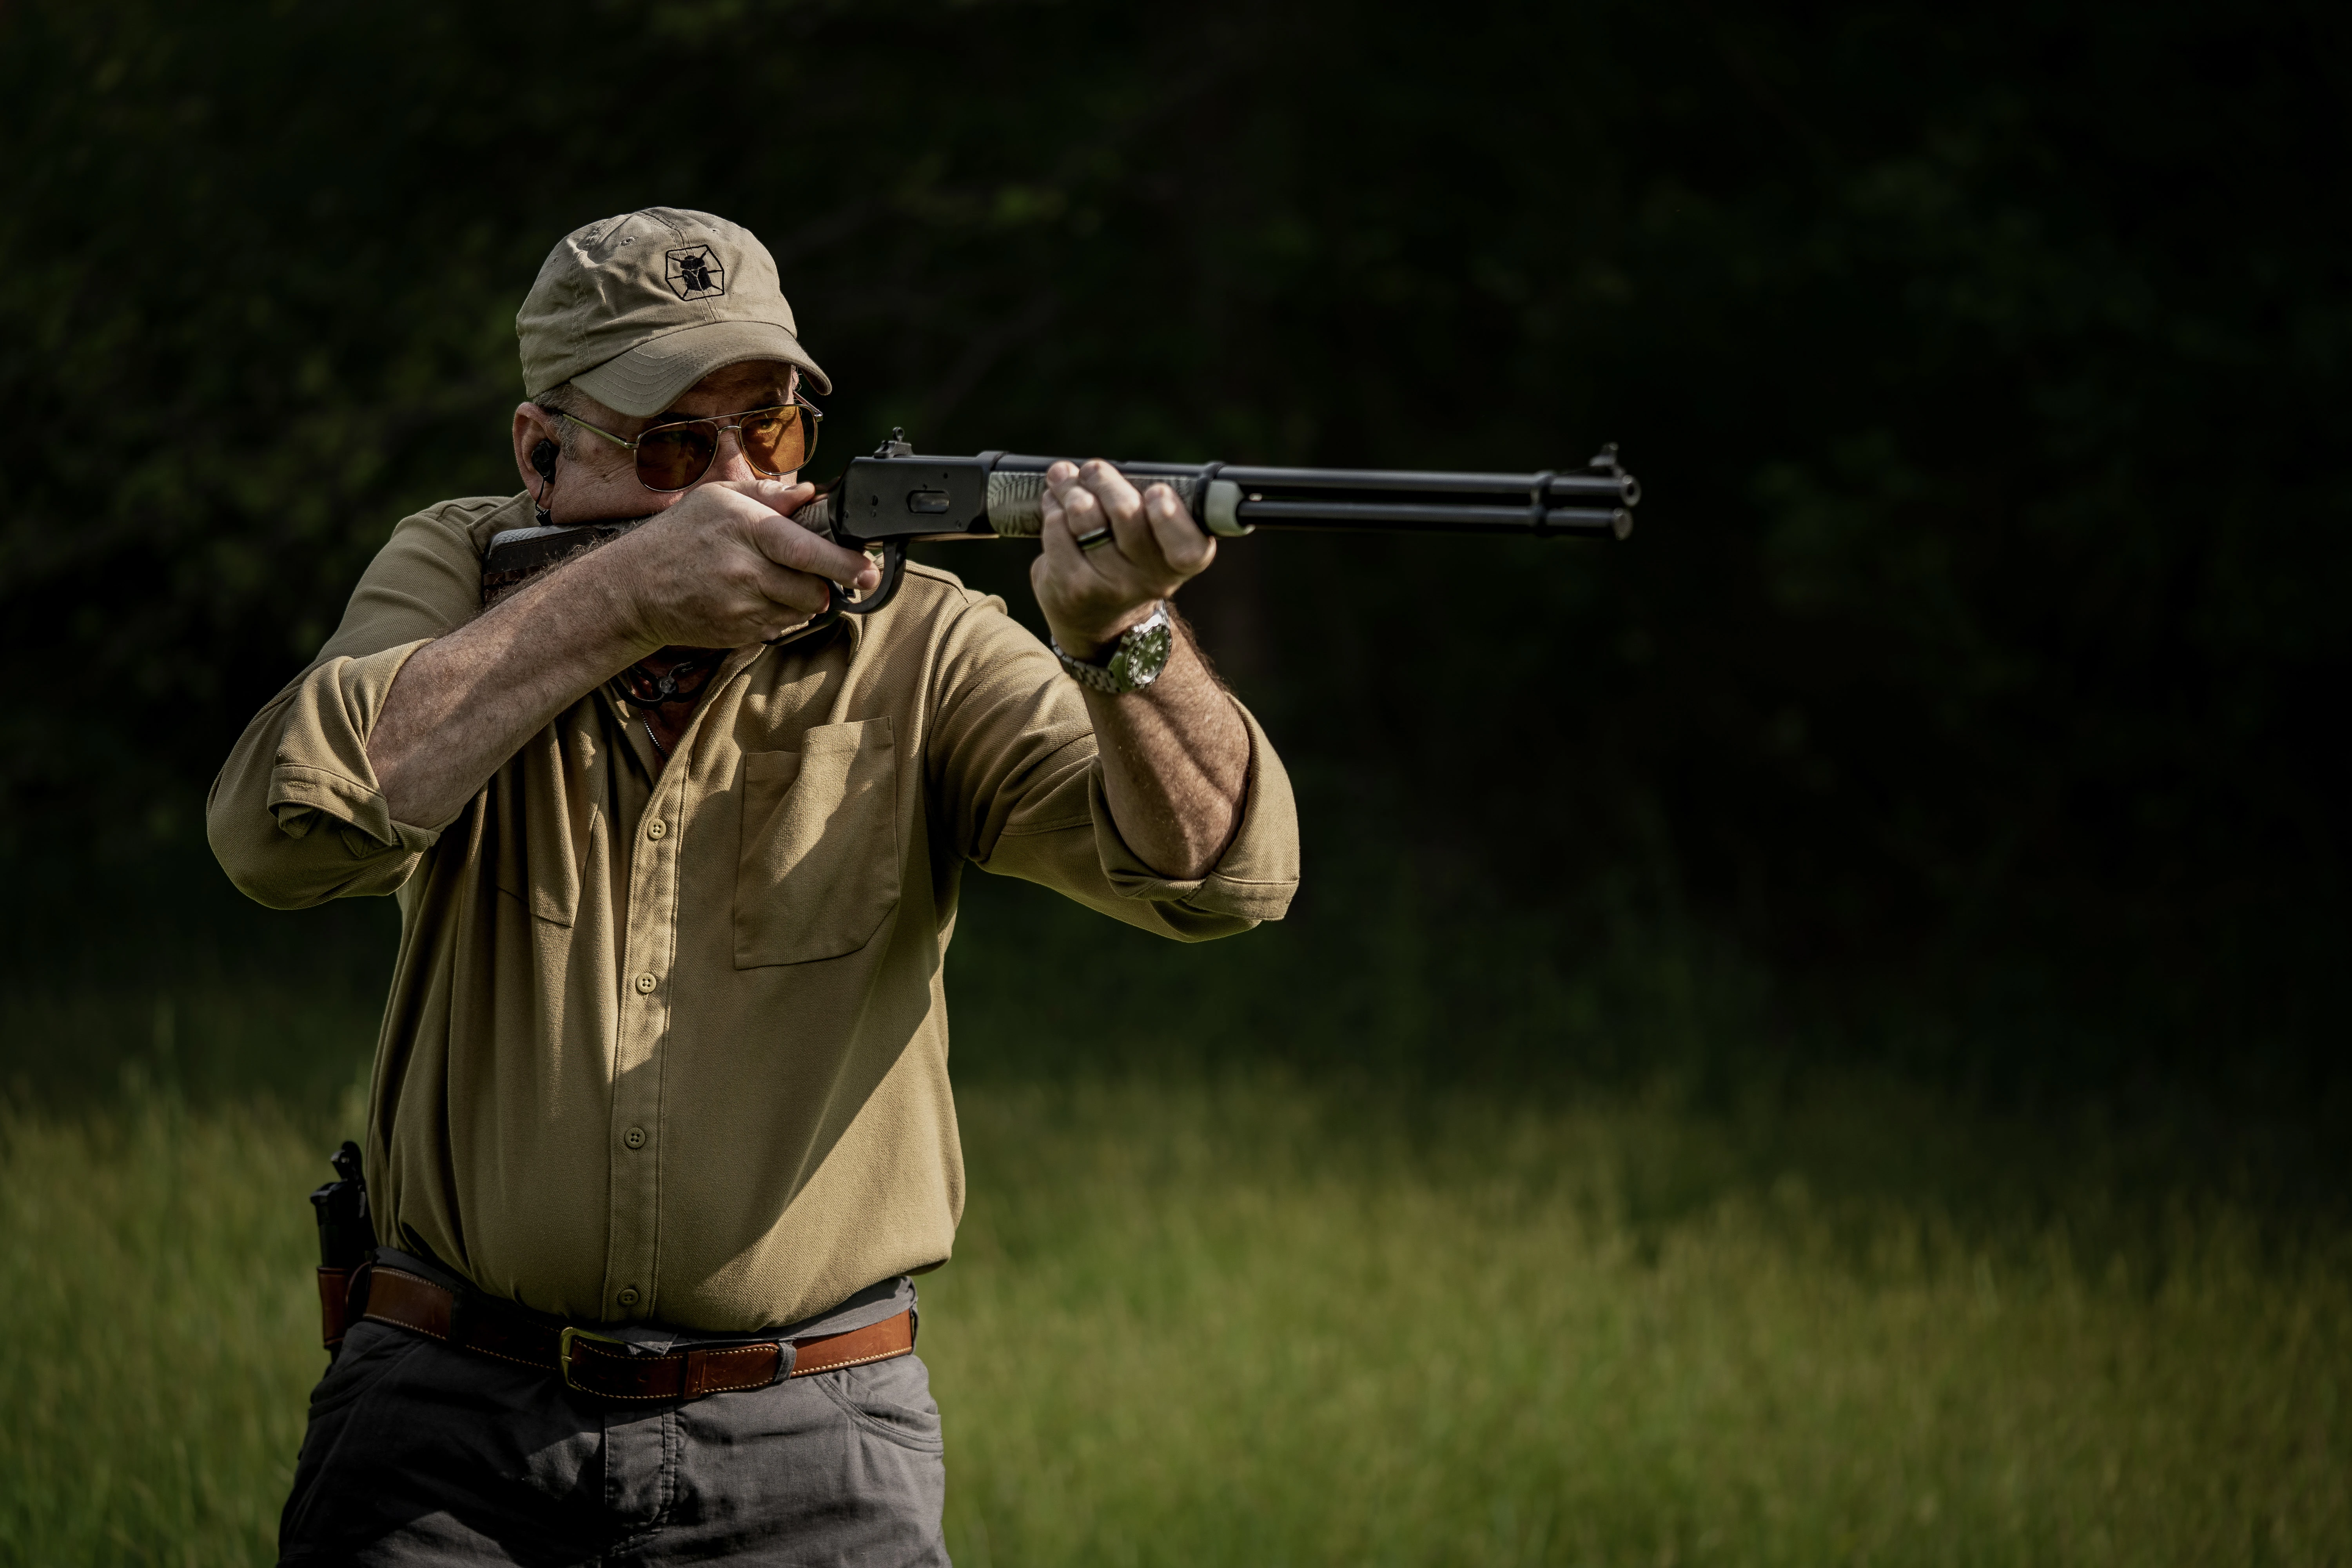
x: 894, y: 570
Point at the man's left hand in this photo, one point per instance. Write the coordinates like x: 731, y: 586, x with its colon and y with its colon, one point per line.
x: 1092, y: 596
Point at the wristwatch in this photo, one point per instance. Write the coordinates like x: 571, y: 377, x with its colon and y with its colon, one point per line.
x: 1136, y: 659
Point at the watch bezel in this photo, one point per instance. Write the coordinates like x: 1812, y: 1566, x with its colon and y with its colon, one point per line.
x: 1154, y: 637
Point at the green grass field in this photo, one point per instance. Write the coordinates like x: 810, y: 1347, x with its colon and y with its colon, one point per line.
x: 1259, y: 1321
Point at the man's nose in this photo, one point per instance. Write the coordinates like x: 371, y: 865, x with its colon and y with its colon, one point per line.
x: 728, y: 462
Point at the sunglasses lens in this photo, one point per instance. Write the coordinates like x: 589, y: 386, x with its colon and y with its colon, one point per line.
x: 674, y: 456
x: 776, y: 441
x: 681, y: 682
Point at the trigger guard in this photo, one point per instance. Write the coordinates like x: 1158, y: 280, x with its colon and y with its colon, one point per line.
x: 894, y: 571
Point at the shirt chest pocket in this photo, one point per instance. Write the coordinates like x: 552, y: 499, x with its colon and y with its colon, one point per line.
x: 544, y: 815
x: 819, y: 872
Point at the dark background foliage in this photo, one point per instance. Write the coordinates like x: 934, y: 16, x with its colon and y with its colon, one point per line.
x: 1963, y: 700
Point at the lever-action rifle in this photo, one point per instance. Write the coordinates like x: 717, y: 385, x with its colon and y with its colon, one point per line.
x: 898, y: 497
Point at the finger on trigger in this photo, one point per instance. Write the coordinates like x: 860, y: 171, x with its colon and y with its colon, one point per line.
x: 788, y: 544
x: 797, y: 590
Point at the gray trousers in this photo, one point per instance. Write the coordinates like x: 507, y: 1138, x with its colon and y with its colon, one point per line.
x: 419, y: 1453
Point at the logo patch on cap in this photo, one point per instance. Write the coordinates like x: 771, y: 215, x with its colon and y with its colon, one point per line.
x: 693, y: 273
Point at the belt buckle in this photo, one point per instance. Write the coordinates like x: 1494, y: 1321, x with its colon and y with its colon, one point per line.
x: 564, y: 1353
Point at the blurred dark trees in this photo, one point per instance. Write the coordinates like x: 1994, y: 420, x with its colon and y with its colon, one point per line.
x: 1986, y: 368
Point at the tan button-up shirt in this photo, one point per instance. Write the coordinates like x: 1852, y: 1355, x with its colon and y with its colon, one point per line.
x: 669, y: 1042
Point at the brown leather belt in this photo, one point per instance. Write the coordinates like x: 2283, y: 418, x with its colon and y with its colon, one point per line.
x: 599, y: 1364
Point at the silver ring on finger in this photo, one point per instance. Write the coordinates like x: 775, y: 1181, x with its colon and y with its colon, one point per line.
x: 1093, y: 537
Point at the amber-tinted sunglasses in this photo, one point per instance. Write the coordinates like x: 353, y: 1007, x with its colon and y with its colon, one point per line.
x: 670, y: 456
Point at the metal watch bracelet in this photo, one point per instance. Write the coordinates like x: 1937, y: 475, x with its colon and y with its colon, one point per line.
x: 1136, y: 659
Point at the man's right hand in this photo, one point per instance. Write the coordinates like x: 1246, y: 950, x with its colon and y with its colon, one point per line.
x: 725, y: 567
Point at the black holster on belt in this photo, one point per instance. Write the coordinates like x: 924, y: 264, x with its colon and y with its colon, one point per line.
x: 346, y: 1247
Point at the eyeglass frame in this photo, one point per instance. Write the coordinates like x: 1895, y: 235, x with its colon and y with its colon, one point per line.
x: 815, y: 415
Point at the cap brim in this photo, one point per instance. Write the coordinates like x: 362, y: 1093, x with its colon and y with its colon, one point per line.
x: 650, y: 377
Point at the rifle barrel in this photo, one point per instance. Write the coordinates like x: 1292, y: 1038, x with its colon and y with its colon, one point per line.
x: 897, y: 497
x: 900, y: 494
x: 1613, y: 486
x: 1423, y: 519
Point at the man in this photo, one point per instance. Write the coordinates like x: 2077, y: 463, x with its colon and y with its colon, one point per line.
x: 660, y: 1123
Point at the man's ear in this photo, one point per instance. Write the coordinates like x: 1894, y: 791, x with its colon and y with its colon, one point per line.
x: 535, y: 432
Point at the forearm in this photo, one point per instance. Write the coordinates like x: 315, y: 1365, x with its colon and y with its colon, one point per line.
x: 1175, y: 759
x: 465, y: 702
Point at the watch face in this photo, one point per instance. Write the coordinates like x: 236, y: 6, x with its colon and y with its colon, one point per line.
x: 1143, y: 652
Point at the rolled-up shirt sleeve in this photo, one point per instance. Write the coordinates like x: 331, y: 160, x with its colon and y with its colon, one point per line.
x: 1253, y: 880
x: 296, y: 816
x: 1016, y: 762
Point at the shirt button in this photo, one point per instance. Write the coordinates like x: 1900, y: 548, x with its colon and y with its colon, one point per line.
x: 628, y: 1297
x: 644, y: 983
x: 657, y: 827
x: 635, y: 1137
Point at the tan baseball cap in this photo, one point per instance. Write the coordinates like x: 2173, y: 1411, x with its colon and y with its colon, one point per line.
x: 633, y: 310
